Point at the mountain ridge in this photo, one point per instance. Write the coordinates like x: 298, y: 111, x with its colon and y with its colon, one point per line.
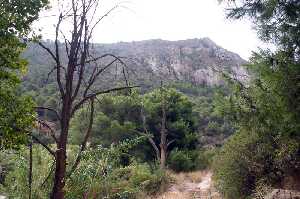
x: 149, y: 61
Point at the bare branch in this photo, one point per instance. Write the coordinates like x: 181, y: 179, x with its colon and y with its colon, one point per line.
x: 52, y: 70
x: 90, y: 96
x: 48, y: 50
x: 83, y: 57
x: 95, y: 74
x: 49, y: 109
x: 150, y: 139
x: 58, y: 73
x: 170, y: 142
x: 100, y: 19
x: 43, y: 144
x: 103, y: 56
x: 86, y: 137
x: 49, y: 175
x: 52, y: 132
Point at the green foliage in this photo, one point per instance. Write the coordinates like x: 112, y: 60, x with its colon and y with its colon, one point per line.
x: 180, y: 122
x: 16, y: 114
x: 118, y: 117
x: 209, y: 122
x: 16, y: 18
x: 189, y: 160
x: 99, y: 174
x: 266, y: 146
x: 233, y: 164
x: 16, y: 167
x: 265, y: 110
x: 180, y: 161
x: 276, y: 21
x: 16, y: 118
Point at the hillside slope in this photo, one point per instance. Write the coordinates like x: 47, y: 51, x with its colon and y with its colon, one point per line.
x: 149, y: 61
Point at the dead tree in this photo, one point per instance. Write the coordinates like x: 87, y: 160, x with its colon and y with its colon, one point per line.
x: 75, y: 78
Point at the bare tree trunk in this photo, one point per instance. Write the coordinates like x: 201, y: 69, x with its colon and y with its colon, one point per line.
x: 59, y: 177
x: 74, y: 89
x: 30, y: 170
x: 61, y: 156
x: 60, y: 169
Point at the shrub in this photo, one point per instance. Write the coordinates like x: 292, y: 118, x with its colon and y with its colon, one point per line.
x: 128, y: 182
x: 179, y: 161
x: 251, y: 161
x: 15, y: 183
x: 99, y: 174
x: 185, y: 160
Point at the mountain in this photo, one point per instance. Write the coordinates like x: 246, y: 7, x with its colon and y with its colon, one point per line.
x: 189, y: 66
x: 192, y: 60
x: 148, y: 62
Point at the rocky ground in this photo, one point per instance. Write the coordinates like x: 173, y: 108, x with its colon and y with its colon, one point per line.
x: 194, y: 185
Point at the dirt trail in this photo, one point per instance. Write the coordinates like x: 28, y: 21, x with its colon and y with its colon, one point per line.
x: 187, y: 188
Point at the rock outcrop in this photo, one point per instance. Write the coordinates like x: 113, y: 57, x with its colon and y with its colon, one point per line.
x: 193, y: 60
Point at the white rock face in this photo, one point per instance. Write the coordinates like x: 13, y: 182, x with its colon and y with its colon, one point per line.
x: 191, y: 60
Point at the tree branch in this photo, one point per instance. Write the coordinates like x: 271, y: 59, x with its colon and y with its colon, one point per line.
x: 49, y: 109
x: 58, y: 73
x: 43, y: 144
x: 170, y: 142
x: 150, y: 139
x: 95, y: 74
x: 49, y: 174
x: 48, y: 127
x: 84, y: 142
x: 48, y: 50
x: 85, y: 99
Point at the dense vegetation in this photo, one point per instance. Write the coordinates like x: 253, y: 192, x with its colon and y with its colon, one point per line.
x: 16, y: 113
x: 120, y: 162
x: 264, y: 151
x: 118, y: 143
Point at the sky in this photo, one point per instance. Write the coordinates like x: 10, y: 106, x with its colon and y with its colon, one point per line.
x: 137, y: 20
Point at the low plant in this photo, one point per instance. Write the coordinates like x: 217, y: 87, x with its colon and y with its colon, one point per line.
x: 190, y: 160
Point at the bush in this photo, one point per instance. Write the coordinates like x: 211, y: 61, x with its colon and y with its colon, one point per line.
x: 179, y: 161
x: 15, y: 183
x: 250, y: 161
x: 185, y: 160
x: 99, y: 174
x: 128, y: 182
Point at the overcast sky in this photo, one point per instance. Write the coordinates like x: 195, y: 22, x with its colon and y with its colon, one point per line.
x: 171, y: 20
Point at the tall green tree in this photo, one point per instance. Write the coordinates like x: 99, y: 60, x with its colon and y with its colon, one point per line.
x: 119, y: 117
x: 265, y: 148
x: 16, y: 112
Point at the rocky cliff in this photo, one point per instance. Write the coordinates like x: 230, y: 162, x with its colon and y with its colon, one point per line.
x: 148, y: 62
x: 193, y: 60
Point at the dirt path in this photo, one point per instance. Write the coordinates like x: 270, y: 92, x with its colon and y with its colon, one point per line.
x: 196, y: 185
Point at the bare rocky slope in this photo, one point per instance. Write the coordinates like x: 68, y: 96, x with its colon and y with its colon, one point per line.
x: 192, y: 60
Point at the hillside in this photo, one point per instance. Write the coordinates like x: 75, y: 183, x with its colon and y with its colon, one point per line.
x: 149, y: 61
x: 186, y: 65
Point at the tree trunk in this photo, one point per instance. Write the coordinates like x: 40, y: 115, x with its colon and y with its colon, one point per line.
x: 163, y: 157
x: 30, y: 170
x: 61, y: 155
x: 163, y: 133
x: 59, y: 179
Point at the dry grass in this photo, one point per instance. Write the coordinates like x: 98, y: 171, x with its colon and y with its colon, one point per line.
x: 184, y: 186
x: 195, y: 176
x: 172, y: 195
